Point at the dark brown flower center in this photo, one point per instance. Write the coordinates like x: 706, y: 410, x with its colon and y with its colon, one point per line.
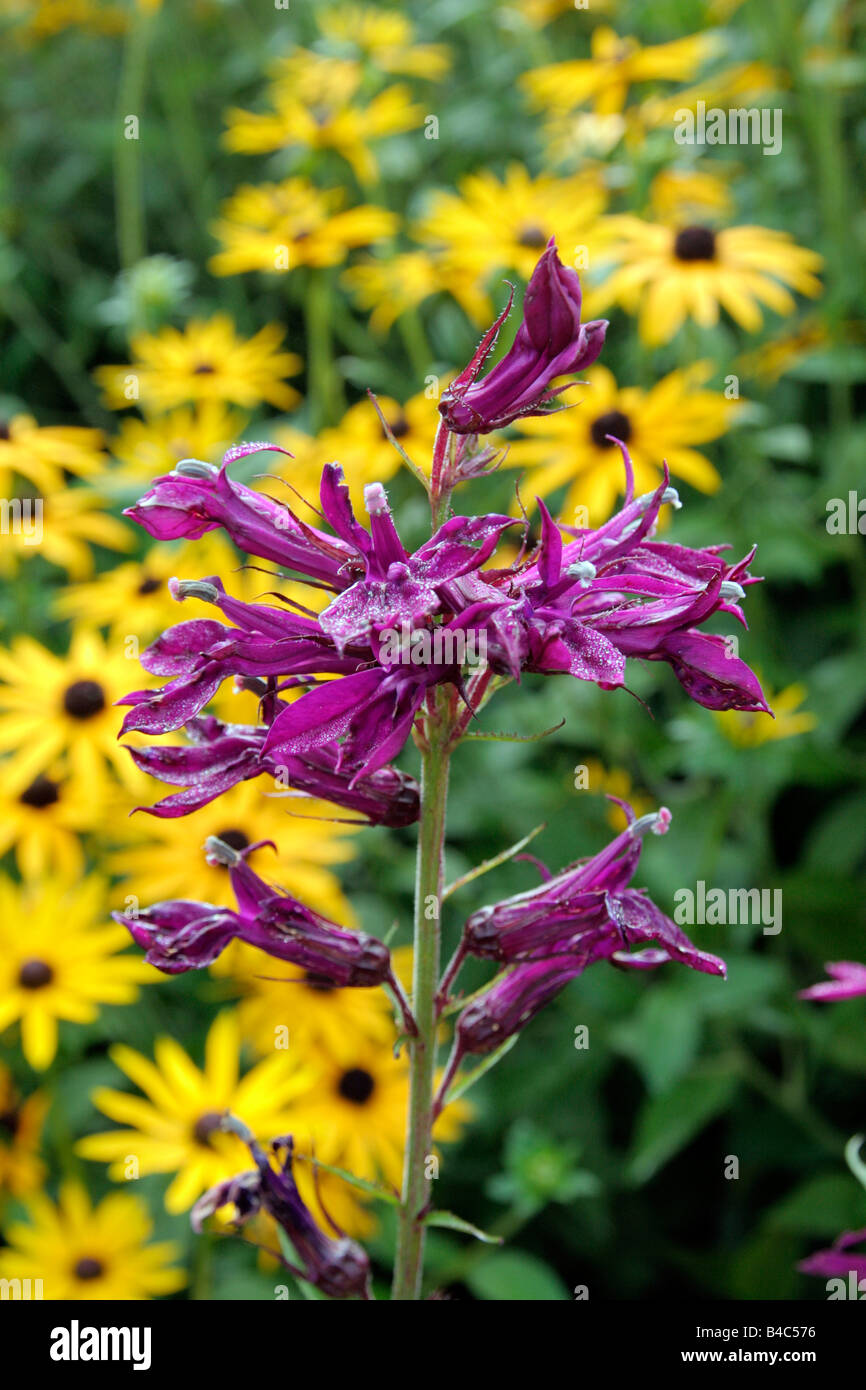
x: 206, y: 1125
x: 89, y: 1268
x: 695, y: 244
x: 399, y: 427
x: 532, y: 236
x: 611, y: 422
x: 320, y: 983
x: 148, y: 585
x: 5, y: 432
x: 35, y: 974
x: 9, y: 1122
x: 234, y: 838
x: 204, y: 369
x: 84, y: 699
x: 356, y: 1085
x: 41, y: 793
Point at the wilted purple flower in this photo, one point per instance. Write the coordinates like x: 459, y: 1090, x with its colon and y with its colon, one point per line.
x: 588, y: 912
x: 848, y: 981
x: 511, y: 1002
x: 551, y: 342
x: 219, y: 756
x: 179, y: 935
x: 339, y: 1268
x: 839, y: 1262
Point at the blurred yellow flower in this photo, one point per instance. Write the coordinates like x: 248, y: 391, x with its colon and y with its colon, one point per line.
x: 316, y: 106
x: 45, y: 453
x: 59, y: 959
x: 146, y: 448
x: 668, y: 274
x: 386, y: 38
x: 52, y: 705
x: 778, y: 355
x: 500, y: 225
x: 731, y: 86
x: 278, y: 226
x: 165, y: 858
x: 355, y: 1112
x: 174, y: 1127
x: 286, y: 1001
x: 41, y: 818
x: 42, y: 19
x: 569, y: 448
x: 615, y: 781
x: 61, y: 527
x: 205, y: 361
x: 750, y: 730
x: 21, y: 1169
x: 680, y: 195
x: 84, y: 1252
x: 615, y: 65
x: 389, y: 287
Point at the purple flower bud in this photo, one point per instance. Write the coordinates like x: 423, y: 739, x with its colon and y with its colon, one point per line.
x: 551, y: 342
x: 179, y: 935
x: 339, y: 1268
x: 511, y: 1002
x: 839, y: 1261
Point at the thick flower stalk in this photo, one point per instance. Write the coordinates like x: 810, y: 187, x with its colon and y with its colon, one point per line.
x: 410, y: 645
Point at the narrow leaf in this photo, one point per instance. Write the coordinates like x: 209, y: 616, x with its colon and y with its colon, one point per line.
x: 469, y: 1080
x: 373, y: 1189
x: 487, y: 864
x: 456, y: 1223
x: 502, y: 736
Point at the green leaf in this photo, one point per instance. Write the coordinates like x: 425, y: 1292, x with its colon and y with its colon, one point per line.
x: 456, y: 1223
x: 487, y: 864
x: 373, y: 1189
x: 460, y: 1089
x: 501, y: 736
x: 671, y: 1120
x: 515, y: 1276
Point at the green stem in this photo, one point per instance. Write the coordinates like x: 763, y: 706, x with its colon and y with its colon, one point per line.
x: 409, y: 1263
x: 327, y: 400
x: 128, y: 206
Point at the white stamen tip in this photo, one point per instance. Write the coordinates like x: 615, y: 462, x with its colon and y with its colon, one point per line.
x: 584, y: 571
x: 731, y: 590
x: 375, y: 499
x: 671, y: 495
x: 194, y: 468
x: 655, y: 821
x: 193, y: 588
x: 218, y: 852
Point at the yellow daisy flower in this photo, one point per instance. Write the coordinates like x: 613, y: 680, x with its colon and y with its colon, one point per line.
x: 615, y: 65
x: 21, y: 1169
x: 355, y: 1113
x: 205, y: 361
x: 43, y: 454
x: 492, y: 225
x: 615, y: 781
x: 59, y: 960
x: 165, y: 858
x: 387, y: 39
x: 144, y: 449
x: 389, y: 287
x: 173, y: 1128
x: 52, y: 706
x: 282, y: 1001
x: 61, y: 527
x: 742, y: 84
x: 41, y: 818
x: 315, y: 107
x: 278, y: 226
x: 84, y: 1252
x: 747, y: 730
x: 778, y: 355
x: 42, y: 19
x: 363, y: 448
x: 569, y: 448
x: 680, y: 195
x: 668, y: 274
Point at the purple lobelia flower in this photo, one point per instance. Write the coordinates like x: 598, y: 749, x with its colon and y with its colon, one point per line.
x: 551, y: 342
x: 848, y: 981
x: 219, y: 756
x: 179, y: 935
x: 339, y: 1267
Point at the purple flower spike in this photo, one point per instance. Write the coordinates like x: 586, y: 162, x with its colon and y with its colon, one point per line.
x: 551, y: 342
x: 848, y: 981
x: 339, y: 1268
